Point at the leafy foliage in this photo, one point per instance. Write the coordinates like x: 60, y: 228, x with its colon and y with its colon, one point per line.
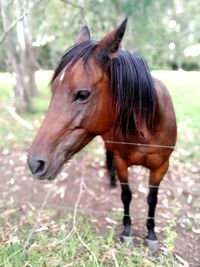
x: 160, y: 31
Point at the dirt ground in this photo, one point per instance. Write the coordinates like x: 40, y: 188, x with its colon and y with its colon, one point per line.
x: 179, y: 195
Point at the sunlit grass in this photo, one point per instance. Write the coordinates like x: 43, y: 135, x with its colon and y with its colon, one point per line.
x: 6, y: 84
x: 11, y: 132
x: 59, y: 246
x: 184, y: 88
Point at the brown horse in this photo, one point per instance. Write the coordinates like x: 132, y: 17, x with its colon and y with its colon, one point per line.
x: 100, y: 89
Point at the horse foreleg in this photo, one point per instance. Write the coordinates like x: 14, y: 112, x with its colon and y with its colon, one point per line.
x: 155, y: 178
x: 126, y: 196
x: 111, y: 168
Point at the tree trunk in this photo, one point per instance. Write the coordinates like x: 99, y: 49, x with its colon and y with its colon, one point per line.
x: 20, y: 56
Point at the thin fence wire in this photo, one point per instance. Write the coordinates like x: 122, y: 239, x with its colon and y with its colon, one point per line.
x: 27, y: 242
x: 47, y: 196
x: 22, y: 250
x: 75, y: 213
x: 179, y: 219
x: 138, y: 144
x: 75, y: 210
x: 94, y: 211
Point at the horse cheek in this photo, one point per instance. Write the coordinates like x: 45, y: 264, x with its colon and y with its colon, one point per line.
x: 100, y: 121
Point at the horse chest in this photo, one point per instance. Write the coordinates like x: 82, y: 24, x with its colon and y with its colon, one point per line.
x: 148, y: 160
x: 136, y: 158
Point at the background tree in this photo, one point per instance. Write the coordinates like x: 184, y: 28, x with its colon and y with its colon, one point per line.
x: 18, y: 41
x: 35, y: 33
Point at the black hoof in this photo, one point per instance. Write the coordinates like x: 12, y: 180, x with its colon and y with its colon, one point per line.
x: 153, y: 245
x: 127, y: 240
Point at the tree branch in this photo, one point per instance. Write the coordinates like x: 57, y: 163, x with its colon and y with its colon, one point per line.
x: 19, y: 119
x: 72, y: 4
x: 12, y: 25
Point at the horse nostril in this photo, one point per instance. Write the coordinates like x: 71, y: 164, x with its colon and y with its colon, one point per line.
x: 40, y: 166
x: 37, y: 166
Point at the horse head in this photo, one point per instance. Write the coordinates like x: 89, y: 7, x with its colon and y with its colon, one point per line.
x: 81, y: 103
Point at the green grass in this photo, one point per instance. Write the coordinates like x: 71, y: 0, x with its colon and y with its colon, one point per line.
x: 11, y: 132
x: 56, y: 248
x: 6, y: 83
x: 184, y: 88
x: 185, y: 91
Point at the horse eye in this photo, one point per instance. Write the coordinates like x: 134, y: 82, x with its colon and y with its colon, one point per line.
x: 82, y: 95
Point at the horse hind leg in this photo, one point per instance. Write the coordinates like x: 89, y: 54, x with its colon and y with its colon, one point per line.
x: 111, y: 168
x: 155, y: 178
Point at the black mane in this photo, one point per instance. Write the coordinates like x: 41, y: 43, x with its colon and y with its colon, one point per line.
x: 133, y: 90
x: 131, y: 85
x: 73, y: 54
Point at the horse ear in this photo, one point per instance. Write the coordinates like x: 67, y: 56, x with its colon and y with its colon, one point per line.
x: 111, y: 42
x: 84, y: 35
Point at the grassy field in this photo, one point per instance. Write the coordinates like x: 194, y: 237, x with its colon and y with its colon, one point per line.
x: 185, y: 91
x: 11, y: 132
x: 65, y: 246
x: 184, y: 88
x: 57, y: 247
